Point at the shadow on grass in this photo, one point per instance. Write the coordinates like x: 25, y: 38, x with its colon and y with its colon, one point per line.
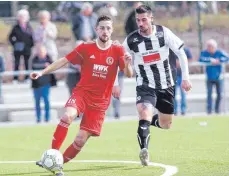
x: 94, y: 168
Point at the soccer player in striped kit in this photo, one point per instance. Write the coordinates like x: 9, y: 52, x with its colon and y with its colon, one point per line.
x: 150, y: 45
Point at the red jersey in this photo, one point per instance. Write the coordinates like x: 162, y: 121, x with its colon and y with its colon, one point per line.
x: 98, y: 72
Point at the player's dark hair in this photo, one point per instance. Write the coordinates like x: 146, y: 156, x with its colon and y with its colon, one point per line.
x: 143, y: 9
x: 103, y: 18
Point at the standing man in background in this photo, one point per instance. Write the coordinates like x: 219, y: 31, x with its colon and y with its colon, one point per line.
x: 2, y: 69
x: 215, y: 57
x: 178, y: 86
x: 83, y: 23
x: 46, y: 34
x: 131, y: 24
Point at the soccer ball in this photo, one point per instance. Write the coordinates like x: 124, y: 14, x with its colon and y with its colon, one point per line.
x: 52, y: 160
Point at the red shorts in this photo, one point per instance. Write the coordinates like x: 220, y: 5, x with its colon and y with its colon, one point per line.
x: 92, y: 119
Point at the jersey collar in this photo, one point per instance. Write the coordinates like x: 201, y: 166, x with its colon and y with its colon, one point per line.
x: 97, y: 44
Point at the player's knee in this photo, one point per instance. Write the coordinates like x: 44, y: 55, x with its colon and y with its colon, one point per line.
x: 145, y: 114
x: 145, y: 111
x: 68, y: 118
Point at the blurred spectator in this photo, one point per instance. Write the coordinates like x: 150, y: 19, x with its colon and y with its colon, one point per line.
x: 42, y: 85
x: 21, y: 38
x: 83, y: 24
x: 116, y: 101
x: 105, y: 8
x: 2, y: 69
x: 131, y: 24
x: 178, y: 85
x: 215, y: 58
x: 46, y: 34
x: 73, y: 77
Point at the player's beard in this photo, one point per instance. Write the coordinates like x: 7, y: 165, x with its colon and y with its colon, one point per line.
x: 104, y: 40
x: 143, y: 30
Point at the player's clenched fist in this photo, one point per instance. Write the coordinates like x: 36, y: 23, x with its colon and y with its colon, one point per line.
x: 35, y: 75
x: 116, y: 91
x: 128, y: 59
x: 186, y: 85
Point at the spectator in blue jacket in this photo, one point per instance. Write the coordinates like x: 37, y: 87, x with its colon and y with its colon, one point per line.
x: 2, y: 69
x: 178, y: 84
x: 214, y: 57
x: 41, y: 86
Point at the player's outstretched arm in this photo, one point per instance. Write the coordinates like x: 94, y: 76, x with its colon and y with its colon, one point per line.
x: 52, y: 67
x: 128, y: 70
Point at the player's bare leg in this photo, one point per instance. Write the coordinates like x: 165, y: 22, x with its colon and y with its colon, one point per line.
x: 145, y: 111
x: 162, y: 120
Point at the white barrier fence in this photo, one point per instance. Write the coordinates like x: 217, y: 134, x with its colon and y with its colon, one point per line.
x: 19, y: 98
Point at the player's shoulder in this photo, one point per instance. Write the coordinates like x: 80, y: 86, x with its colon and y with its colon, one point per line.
x: 89, y: 43
x: 116, y: 44
x: 133, y: 34
x: 83, y: 45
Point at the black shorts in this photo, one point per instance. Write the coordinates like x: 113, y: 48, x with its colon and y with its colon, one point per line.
x: 162, y: 99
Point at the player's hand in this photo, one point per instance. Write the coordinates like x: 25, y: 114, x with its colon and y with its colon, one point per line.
x: 128, y: 59
x: 186, y: 85
x: 116, y: 91
x: 215, y: 61
x: 47, y: 64
x: 35, y: 75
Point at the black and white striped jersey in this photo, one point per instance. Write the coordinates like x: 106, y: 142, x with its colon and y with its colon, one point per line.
x: 151, y: 56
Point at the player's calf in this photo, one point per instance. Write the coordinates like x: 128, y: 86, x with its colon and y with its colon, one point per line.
x: 163, y: 121
x: 143, y: 133
x: 76, y: 146
x: 62, y: 128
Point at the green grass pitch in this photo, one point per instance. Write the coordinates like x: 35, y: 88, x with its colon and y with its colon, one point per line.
x: 195, y: 150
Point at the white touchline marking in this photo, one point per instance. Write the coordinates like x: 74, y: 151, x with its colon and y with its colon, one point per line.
x: 169, y: 170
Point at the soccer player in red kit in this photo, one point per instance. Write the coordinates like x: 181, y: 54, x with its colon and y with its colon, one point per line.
x: 99, y: 62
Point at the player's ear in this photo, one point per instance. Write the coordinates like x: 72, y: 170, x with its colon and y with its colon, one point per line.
x: 96, y: 28
x: 152, y: 19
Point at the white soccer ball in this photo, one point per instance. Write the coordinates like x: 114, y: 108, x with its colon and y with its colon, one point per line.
x: 52, y: 160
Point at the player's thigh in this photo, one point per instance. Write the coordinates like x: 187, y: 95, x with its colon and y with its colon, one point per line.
x: 165, y: 100
x: 74, y: 106
x: 92, y: 121
x: 145, y: 102
x: 165, y: 104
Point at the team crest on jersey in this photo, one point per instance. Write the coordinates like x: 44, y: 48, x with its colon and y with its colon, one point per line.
x: 159, y: 34
x: 110, y: 60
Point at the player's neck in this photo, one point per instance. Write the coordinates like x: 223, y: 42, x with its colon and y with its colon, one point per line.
x: 103, y: 46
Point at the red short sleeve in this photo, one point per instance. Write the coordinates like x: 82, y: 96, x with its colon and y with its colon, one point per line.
x: 76, y: 56
x: 121, y: 58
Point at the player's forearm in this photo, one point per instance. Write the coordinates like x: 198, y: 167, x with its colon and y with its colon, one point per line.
x: 55, y: 66
x: 183, y: 64
x: 128, y: 71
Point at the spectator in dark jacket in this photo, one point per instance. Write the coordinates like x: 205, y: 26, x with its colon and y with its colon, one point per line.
x: 73, y: 77
x: 22, y: 41
x: 2, y: 69
x: 84, y: 22
x: 42, y: 85
x: 131, y: 24
x: 215, y: 58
